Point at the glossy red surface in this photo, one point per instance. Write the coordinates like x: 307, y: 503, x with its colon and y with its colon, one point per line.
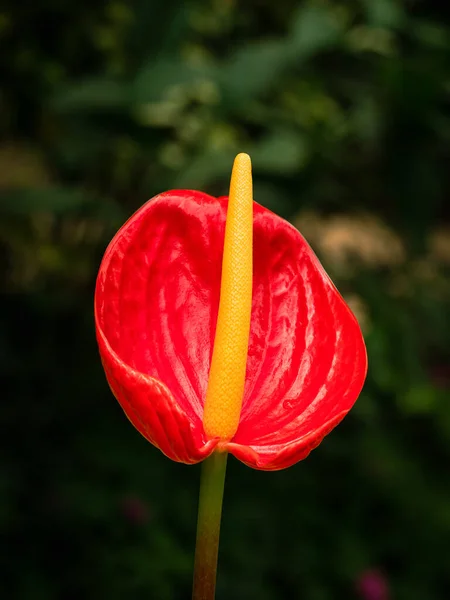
x: 156, y: 306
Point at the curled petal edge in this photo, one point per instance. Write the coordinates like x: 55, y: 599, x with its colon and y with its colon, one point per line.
x: 167, y: 427
x: 153, y: 410
x: 281, y: 456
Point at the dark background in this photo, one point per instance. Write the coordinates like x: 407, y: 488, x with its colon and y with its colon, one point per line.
x: 344, y: 107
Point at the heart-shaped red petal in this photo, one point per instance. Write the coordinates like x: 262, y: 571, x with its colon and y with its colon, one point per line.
x: 156, y: 308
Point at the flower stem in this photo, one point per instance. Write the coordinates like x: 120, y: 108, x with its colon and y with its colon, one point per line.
x: 208, y: 525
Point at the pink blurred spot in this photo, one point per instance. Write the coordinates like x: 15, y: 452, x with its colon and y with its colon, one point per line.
x: 372, y: 585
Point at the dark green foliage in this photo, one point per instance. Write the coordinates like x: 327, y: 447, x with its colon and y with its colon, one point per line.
x: 344, y: 107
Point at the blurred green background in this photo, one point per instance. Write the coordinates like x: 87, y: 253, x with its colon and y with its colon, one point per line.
x: 344, y: 107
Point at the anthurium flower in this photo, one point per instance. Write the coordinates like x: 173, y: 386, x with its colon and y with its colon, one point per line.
x: 268, y: 374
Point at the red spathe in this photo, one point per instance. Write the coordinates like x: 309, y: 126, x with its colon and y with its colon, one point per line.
x: 156, y: 305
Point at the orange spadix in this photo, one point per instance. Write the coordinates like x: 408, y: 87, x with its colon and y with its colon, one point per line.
x: 229, y: 359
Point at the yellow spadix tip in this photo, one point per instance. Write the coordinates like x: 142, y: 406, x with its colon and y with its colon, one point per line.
x: 226, y: 382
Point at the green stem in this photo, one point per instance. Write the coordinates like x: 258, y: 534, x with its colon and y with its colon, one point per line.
x: 208, y: 525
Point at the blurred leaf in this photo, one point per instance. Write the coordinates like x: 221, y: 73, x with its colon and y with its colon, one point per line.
x: 257, y: 67
x: 419, y: 400
x: 99, y: 94
x: 384, y: 13
x: 281, y: 152
x: 205, y: 168
x: 155, y: 79
x: 432, y: 34
x: 58, y: 200
x: 253, y: 70
x: 314, y: 28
